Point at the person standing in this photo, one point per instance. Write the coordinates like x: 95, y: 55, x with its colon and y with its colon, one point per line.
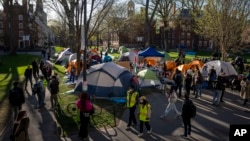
x: 245, y: 90
x: 211, y: 76
x: 28, y: 76
x: 223, y: 86
x: 178, y: 81
x: 216, y: 88
x: 172, y: 98
x: 41, y: 92
x: 16, y: 98
x: 188, y: 83
x: 85, y: 106
x: 132, y: 100
x: 198, y: 80
x: 72, y: 74
x: 186, y: 116
x: 54, y: 88
x: 144, y: 115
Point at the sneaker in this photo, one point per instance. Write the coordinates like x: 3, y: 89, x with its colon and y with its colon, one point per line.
x: 128, y: 127
x: 162, y: 117
x: 183, y: 136
x: 149, y: 131
x: 140, y: 134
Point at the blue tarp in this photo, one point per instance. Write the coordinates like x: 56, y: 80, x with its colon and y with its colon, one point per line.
x: 150, y: 52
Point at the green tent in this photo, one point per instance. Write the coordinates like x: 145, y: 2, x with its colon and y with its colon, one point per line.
x: 167, y: 57
x: 148, y: 78
x: 123, y: 49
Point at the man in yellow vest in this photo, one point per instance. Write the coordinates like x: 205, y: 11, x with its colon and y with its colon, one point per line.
x: 144, y: 115
x: 132, y: 100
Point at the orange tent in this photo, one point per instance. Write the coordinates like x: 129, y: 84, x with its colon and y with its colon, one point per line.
x: 195, y: 63
x: 183, y: 67
x: 170, y: 65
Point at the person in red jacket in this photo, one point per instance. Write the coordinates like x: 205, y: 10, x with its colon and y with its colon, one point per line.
x: 85, y: 106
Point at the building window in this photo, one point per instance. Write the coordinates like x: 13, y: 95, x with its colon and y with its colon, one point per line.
x: 205, y: 43
x: 182, y: 35
x: 182, y: 42
x: 20, y: 33
x: 1, y: 25
x: 188, y: 43
x: 20, y: 17
x: 188, y: 35
x: 20, y: 25
x: 200, y: 43
x: 172, y: 42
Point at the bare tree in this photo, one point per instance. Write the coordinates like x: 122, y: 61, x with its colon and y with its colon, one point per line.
x: 223, y: 21
x: 150, y: 10
x: 166, y: 11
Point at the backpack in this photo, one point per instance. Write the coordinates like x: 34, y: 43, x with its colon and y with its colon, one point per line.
x: 36, y: 88
x: 14, y: 97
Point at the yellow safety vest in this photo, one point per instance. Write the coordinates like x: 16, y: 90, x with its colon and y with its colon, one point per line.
x: 131, y: 99
x: 144, y: 112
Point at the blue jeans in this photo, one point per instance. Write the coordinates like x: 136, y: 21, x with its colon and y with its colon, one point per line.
x: 216, y: 98
x: 198, y: 90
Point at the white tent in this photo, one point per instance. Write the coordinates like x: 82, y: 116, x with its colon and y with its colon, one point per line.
x: 219, y: 66
x: 64, y: 55
x: 132, y: 56
x: 74, y: 56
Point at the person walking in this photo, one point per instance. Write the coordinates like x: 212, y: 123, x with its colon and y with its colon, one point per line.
x: 85, y: 106
x: 132, y: 100
x: 186, y: 116
x: 20, y: 128
x: 144, y: 115
x: 54, y: 88
x: 35, y: 69
x: 72, y: 74
x: 212, y: 75
x: 28, y: 76
x: 245, y: 90
x: 172, y: 98
x: 41, y: 92
x: 16, y: 98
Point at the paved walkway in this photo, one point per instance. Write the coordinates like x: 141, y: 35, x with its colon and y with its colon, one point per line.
x: 211, y: 123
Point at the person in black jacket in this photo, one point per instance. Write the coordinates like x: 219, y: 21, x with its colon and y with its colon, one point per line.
x: 28, y: 76
x: 54, y: 88
x: 16, y: 98
x: 187, y: 115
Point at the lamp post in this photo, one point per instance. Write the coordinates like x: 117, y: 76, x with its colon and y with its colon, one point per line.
x: 84, y: 83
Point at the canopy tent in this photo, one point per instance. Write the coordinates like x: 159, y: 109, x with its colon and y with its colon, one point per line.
x: 183, y: 68
x: 148, y: 78
x: 150, y: 52
x: 108, y: 80
x: 220, y: 66
x: 195, y: 63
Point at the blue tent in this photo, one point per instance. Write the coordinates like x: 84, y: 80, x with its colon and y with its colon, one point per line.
x: 150, y: 52
x: 107, y: 80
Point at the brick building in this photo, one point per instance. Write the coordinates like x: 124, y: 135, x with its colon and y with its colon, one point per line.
x: 23, y: 27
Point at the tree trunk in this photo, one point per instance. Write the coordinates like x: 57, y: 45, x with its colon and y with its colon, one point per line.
x: 196, y: 42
